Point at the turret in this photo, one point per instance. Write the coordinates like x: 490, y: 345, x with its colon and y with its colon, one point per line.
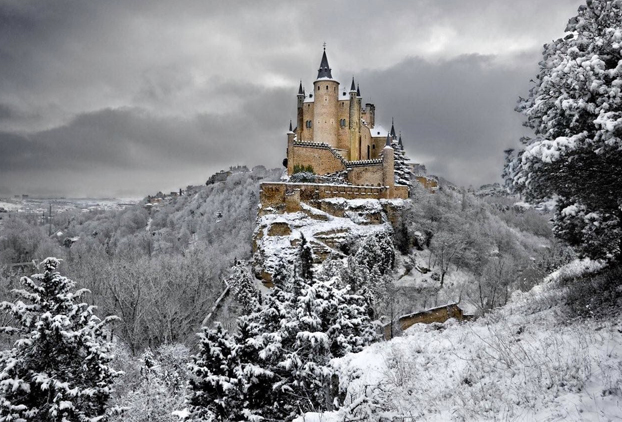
x: 371, y: 114
x: 290, y: 148
x: 325, y: 92
x: 299, y: 116
x: 354, y: 124
x: 388, y: 167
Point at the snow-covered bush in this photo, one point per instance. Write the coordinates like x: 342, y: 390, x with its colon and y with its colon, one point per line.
x: 596, y: 295
x: 58, y: 369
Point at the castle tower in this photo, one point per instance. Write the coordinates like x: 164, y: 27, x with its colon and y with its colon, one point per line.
x: 326, y: 94
x: 355, y: 124
x: 299, y: 117
x: 388, y: 167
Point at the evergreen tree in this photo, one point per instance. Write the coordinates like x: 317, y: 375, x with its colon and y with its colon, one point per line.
x: 575, y: 110
x: 256, y: 379
x: 403, y: 173
x: 214, y: 385
x: 285, y: 346
x: 306, y: 259
x: 58, y: 369
x: 243, y: 287
x: 376, y: 251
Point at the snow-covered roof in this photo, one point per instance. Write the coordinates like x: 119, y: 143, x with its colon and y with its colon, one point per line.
x: 378, y: 132
x: 325, y: 79
x: 344, y: 95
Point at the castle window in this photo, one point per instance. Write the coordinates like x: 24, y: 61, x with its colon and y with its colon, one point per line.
x: 325, y: 98
x: 342, y: 123
x: 327, y: 87
x: 373, y: 146
x: 318, y: 88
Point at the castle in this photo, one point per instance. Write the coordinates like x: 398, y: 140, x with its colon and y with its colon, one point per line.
x: 335, y: 133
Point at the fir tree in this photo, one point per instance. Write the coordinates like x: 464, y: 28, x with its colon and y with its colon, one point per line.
x: 575, y: 110
x: 58, y: 369
x: 306, y: 259
x: 214, y: 385
x: 402, y: 171
x: 243, y: 287
x: 376, y: 251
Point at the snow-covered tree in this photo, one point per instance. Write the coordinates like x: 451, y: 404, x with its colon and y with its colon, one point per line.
x: 306, y: 259
x: 58, y: 368
x: 242, y: 285
x: 376, y: 251
x: 284, y: 347
x: 575, y: 110
x: 214, y: 386
x: 402, y: 170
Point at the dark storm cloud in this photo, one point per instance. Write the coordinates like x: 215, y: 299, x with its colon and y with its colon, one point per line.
x: 456, y: 115
x: 121, y: 97
x: 110, y: 141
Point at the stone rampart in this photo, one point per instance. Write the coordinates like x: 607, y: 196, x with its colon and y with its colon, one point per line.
x: 274, y: 195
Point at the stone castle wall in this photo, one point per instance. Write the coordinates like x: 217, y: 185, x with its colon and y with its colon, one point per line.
x: 322, y: 159
x: 275, y: 195
x: 369, y: 174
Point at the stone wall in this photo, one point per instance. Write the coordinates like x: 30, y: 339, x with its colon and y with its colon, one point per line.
x: 440, y: 315
x: 369, y: 174
x: 323, y: 160
x: 276, y: 195
x: 430, y: 184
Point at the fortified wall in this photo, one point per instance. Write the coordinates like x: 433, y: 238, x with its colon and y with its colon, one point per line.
x: 280, y: 197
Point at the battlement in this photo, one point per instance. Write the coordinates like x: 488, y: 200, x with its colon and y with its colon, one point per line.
x: 274, y: 196
x: 361, y: 163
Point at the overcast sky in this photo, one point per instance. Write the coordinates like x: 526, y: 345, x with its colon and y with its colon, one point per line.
x: 126, y: 98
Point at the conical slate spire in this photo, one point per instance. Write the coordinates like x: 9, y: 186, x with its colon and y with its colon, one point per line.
x: 388, y: 141
x: 300, y: 90
x: 324, y: 70
x: 400, y: 141
x: 290, y: 126
x: 352, y: 87
x: 393, y: 129
x: 358, y: 90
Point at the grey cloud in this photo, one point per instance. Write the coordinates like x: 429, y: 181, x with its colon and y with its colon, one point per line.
x: 459, y: 112
x: 157, y: 93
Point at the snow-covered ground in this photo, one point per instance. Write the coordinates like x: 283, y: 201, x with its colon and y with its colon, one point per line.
x: 525, y: 362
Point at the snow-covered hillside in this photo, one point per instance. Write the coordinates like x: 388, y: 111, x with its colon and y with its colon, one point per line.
x: 526, y: 361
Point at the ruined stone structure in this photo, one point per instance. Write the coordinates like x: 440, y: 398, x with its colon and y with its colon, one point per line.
x: 336, y: 133
x: 440, y: 315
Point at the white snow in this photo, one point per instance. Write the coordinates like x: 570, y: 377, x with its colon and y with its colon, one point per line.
x: 525, y: 361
